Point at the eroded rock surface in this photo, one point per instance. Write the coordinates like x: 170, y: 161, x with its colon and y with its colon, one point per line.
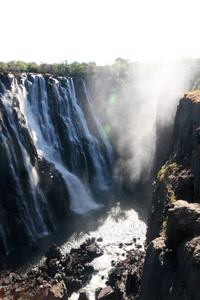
x: 172, y: 264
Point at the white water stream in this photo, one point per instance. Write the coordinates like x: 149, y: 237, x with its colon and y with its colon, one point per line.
x: 118, y: 226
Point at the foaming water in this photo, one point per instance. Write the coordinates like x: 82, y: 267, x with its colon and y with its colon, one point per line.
x: 118, y: 226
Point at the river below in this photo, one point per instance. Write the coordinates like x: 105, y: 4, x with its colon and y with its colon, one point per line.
x: 119, y: 226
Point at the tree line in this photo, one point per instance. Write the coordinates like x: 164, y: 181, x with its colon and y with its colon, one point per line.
x: 61, y: 69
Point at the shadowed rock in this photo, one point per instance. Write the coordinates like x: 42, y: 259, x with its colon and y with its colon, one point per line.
x: 53, y: 252
x: 183, y: 222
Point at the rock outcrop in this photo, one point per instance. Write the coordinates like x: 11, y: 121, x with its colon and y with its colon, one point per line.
x: 58, y: 278
x: 124, y: 278
x: 171, y: 268
x: 172, y: 264
x: 183, y: 222
x: 179, y: 177
x: 61, y: 275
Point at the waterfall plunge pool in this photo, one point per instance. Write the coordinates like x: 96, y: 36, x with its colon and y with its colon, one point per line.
x: 120, y: 221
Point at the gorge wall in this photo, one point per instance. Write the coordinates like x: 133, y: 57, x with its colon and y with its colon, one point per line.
x: 171, y: 269
x: 50, y: 161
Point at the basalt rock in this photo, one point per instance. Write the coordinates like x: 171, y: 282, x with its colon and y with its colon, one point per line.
x: 51, y: 280
x: 53, y: 252
x: 83, y: 295
x: 107, y: 293
x: 183, y: 222
x: 58, y: 278
x: 159, y: 273
x: 172, y: 264
x: 58, y: 291
x: 181, y: 172
x: 189, y: 269
x: 124, y: 278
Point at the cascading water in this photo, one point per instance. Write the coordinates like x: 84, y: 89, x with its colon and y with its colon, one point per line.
x: 49, y: 142
x: 99, y: 127
x: 44, y: 134
x: 51, y: 163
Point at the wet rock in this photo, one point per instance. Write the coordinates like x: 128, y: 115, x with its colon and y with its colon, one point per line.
x: 52, y: 267
x: 106, y: 293
x: 69, y: 268
x: 114, y: 275
x: 99, y: 239
x: 125, y: 277
x: 97, y: 292
x: 39, y: 280
x: 58, y: 278
x: 43, y: 268
x: 42, y: 292
x: 58, y: 291
x: 93, y: 251
x: 121, y: 245
x: 88, y: 269
x: 53, y: 252
x: 72, y: 284
x: 84, y: 295
x: 112, y: 263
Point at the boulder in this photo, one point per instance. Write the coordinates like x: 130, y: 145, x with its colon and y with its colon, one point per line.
x: 42, y: 291
x: 84, y: 295
x: 52, y: 267
x: 53, y: 252
x: 106, y: 293
x: 58, y: 291
x: 72, y: 284
x: 183, y: 222
x: 115, y: 274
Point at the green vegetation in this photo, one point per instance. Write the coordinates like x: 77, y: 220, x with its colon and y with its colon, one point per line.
x: 168, y: 176
x: 163, y: 228
x: 120, y: 67
x: 167, y: 171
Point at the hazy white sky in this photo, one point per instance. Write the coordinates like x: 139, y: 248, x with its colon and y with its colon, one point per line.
x: 98, y: 30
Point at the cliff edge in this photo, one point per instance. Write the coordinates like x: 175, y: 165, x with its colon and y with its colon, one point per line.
x: 172, y: 264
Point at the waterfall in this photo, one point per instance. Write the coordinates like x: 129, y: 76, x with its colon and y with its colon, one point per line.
x: 99, y: 127
x: 47, y: 156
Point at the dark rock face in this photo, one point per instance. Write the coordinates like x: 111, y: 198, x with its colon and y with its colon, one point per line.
x: 53, y: 252
x: 159, y: 273
x: 186, y: 135
x: 83, y: 295
x: 184, y: 181
x: 124, y: 278
x: 172, y: 266
x: 189, y: 269
x: 171, y: 269
x: 156, y: 214
x: 183, y: 222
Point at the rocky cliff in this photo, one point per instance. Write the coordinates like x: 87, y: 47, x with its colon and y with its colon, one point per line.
x: 172, y: 264
x: 49, y: 157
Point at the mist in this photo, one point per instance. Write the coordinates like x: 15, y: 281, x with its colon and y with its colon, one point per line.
x: 133, y: 107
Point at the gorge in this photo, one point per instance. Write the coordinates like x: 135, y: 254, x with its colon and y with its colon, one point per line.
x: 48, y: 157
x: 58, y: 168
